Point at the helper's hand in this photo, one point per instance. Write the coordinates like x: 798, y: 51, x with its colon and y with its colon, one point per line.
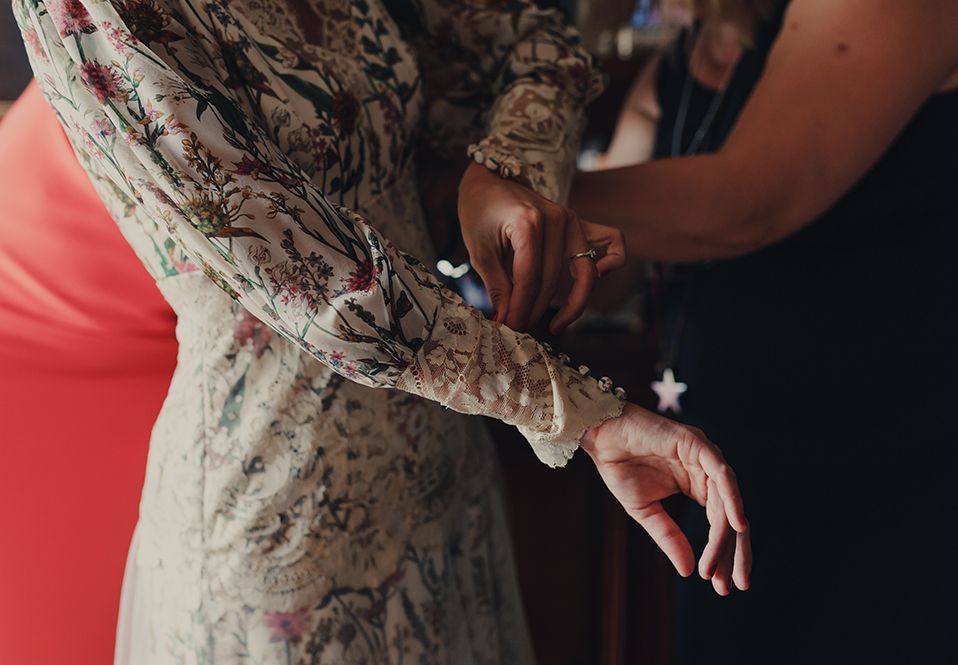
x: 644, y: 458
x: 520, y: 243
x: 438, y: 182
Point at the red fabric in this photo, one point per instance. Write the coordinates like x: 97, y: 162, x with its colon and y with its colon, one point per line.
x: 87, y: 348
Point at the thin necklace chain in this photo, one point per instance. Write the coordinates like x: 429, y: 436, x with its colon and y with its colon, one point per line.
x: 683, y: 112
x: 695, y: 144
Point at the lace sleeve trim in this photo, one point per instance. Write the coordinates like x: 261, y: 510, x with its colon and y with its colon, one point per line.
x: 475, y: 366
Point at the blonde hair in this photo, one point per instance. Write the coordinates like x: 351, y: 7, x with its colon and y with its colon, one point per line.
x: 746, y: 15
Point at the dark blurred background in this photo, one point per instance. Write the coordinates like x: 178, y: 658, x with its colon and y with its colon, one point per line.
x: 13, y: 59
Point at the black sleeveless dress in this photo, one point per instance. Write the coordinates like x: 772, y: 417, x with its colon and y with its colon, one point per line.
x: 826, y: 367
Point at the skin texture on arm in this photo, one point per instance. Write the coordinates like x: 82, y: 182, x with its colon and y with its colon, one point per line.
x: 841, y: 82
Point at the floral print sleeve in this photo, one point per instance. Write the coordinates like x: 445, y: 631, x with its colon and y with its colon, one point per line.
x: 512, y: 79
x: 253, y: 152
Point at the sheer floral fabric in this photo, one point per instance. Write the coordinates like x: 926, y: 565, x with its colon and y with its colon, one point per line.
x: 260, y: 158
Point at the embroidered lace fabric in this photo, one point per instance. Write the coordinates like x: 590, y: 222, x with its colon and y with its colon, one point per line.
x: 259, y: 157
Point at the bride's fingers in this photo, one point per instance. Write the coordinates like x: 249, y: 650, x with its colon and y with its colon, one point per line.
x: 742, y: 570
x: 722, y: 580
x: 719, y: 533
x: 667, y: 535
x: 718, y: 470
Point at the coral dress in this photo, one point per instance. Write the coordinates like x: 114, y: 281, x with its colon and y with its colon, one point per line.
x: 308, y: 498
x: 87, y: 348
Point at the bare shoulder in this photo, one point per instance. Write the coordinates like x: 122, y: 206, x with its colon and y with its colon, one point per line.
x: 842, y: 81
x: 863, y: 28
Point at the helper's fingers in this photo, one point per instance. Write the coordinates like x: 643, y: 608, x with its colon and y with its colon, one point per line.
x: 583, y: 279
x: 612, y: 240
x: 553, y: 259
x: 526, y: 240
x: 498, y: 285
x: 667, y: 535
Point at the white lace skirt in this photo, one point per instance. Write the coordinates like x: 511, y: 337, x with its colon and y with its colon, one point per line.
x: 455, y: 605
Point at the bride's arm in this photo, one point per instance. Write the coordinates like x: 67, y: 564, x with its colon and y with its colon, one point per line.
x: 842, y: 81
x: 178, y: 141
x: 161, y: 120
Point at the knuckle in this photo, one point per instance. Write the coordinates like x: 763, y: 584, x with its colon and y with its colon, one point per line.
x: 685, y: 437
x: 496, y: 293
x: 482, y: 257
x: 529, y: 218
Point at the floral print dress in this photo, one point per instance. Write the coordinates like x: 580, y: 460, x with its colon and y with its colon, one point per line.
x: 313, y: 493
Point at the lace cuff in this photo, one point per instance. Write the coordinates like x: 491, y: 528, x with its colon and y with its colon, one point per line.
x: 475, y: 366
x: 545, y: 165
x: 534, y: 135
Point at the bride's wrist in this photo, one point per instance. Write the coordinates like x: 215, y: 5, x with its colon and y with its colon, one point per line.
x: 590, y: 440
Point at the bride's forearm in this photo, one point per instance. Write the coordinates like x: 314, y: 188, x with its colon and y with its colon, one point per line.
x: 688, y: 209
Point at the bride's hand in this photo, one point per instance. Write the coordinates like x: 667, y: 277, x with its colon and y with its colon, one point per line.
x: 520, y: 244
x: 644, y: 458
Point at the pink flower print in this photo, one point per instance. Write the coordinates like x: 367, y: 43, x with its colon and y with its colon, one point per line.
x: 363, y: 278
x: 174, y: 126
x: 117, y: 37
x: 250, y: 167
x: 286, y: 626
x: 132, y: 137
x: 252, y: 330
x: 287, y: 181
x: 150, y: 114
x: 31, y: 37
x: 91, y: 148
x: 101, y: 80
x: 70, y: 17
x: 293, y: 296
x: 156, y: 191
x: 103, y: 128
x: 346, y: 110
